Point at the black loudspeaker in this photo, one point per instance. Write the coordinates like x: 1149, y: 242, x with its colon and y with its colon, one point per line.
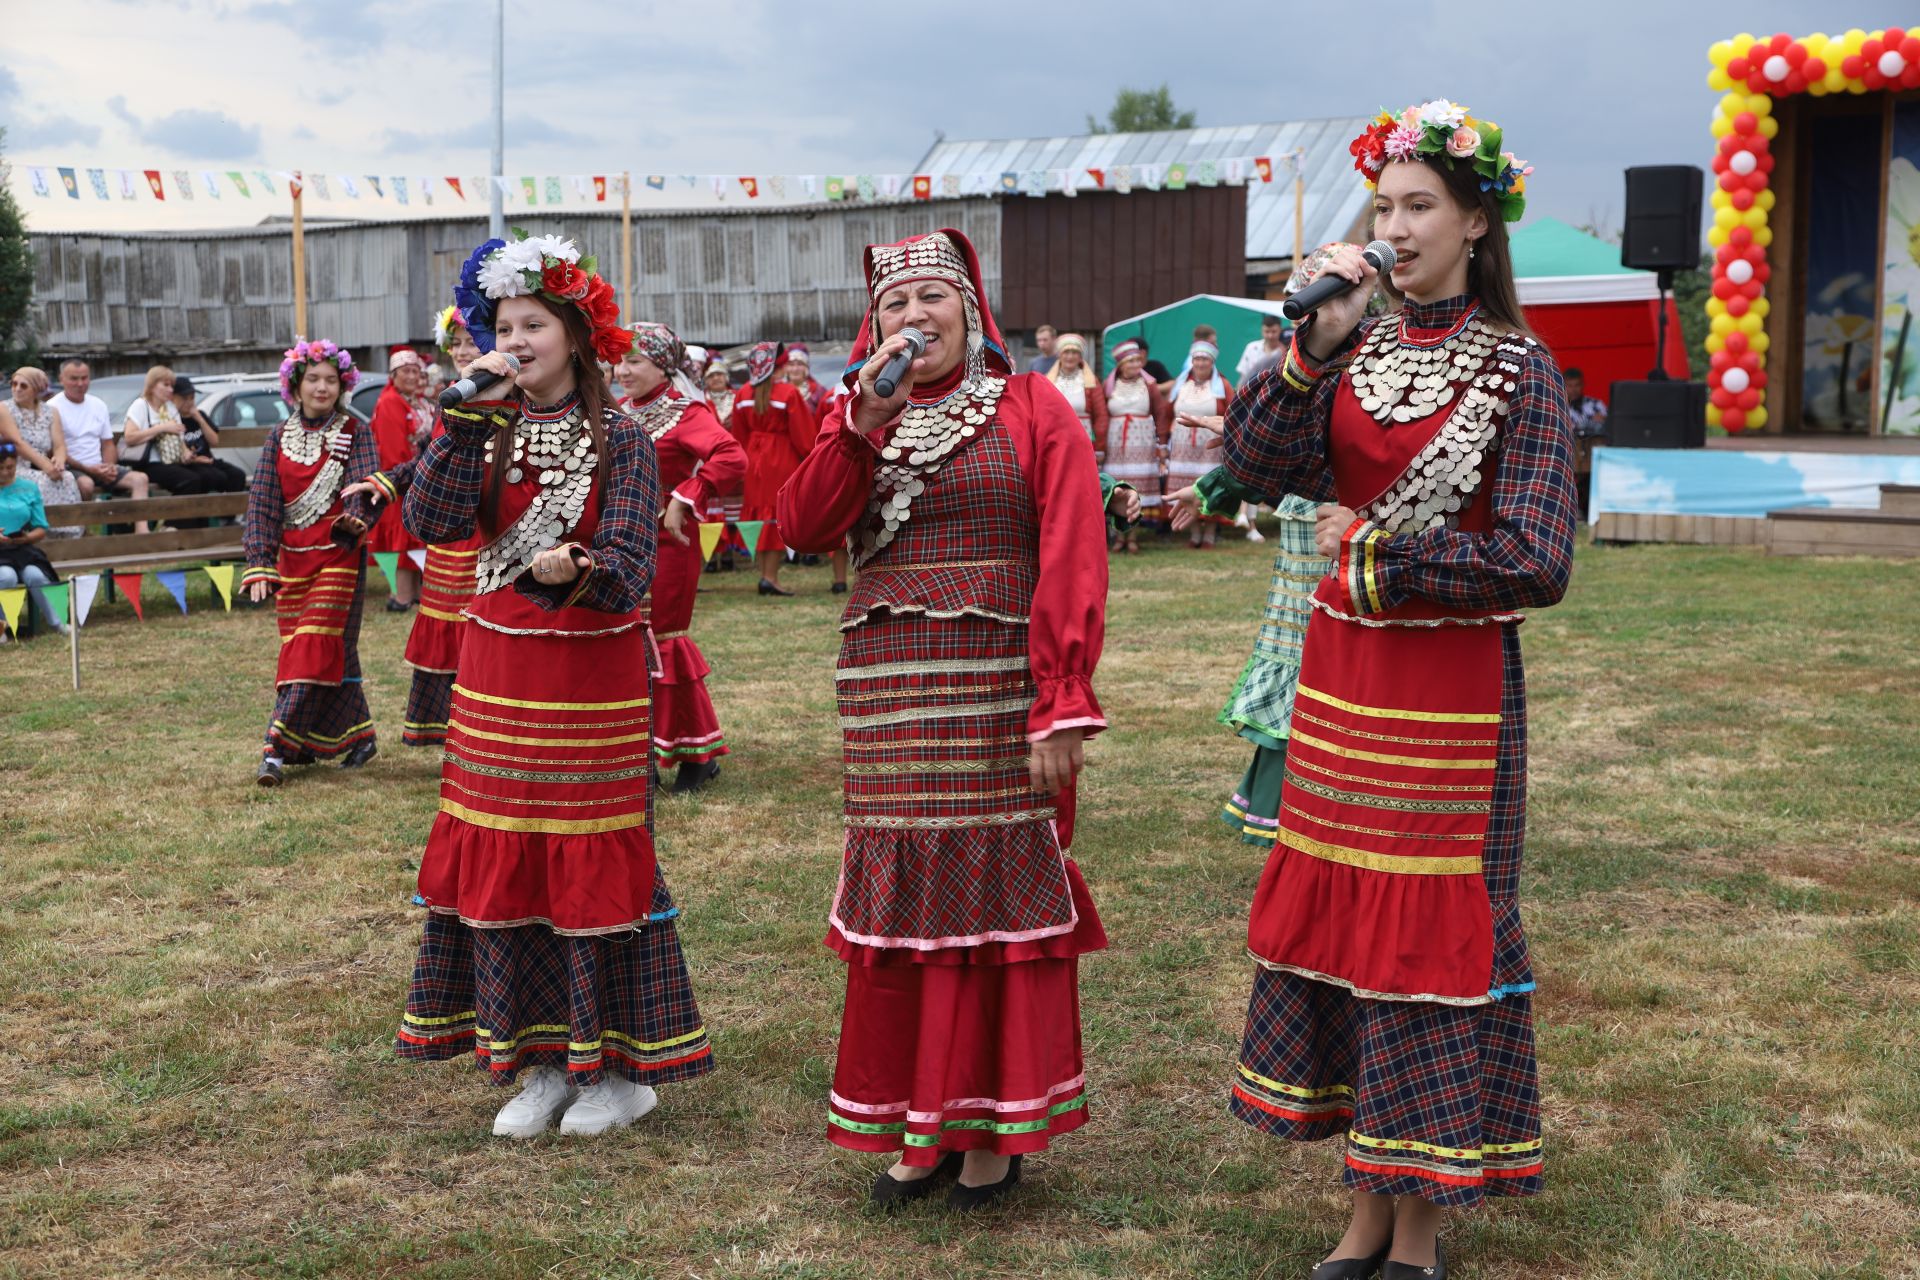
x: 1663, y: 218
x: 1658, y: 415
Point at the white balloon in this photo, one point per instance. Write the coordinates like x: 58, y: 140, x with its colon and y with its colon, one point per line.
x: 1892, y: 64
x: 1776, y: 67
x: 1734, y: 380
x: 1739, y: 271
x: 1743, y: 162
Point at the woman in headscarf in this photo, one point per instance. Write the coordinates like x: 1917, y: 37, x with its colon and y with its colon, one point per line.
x: 1083, y: 392
x: 698, y: 459
x: 1200, y: 397
x: 972, y: 502
x: 1139, y: 420
x: 776, y: 429
x: 304, y: 540
x: 799, y: 372
x: 549, y: 949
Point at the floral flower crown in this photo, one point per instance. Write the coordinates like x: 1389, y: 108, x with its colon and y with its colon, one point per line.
x: 295, y: 359
x: 446, y: 322
x: 1444, y: 129
x: 549, y: 266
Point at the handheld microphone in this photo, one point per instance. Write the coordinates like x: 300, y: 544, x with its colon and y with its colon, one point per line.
x: 895, y: 369
x: 1379, y: 255
x: 485, y: 380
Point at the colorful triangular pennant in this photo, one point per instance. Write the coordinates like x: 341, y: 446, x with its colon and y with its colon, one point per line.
x: 12, y: 600
x: 750, y: 533
x: 389, y: 562
x: 128, y: 584
x: 85, y: 587
x: 222, y: 575
x: 710, y: 535
x: 175, y: 581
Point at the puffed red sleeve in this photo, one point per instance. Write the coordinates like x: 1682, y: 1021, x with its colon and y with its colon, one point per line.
x: 1068, y: 624
x: 723, y: 463
x: 392, y: 427
x: 1161, y: 407
x: 1097, y: 413
x: 828, y: 490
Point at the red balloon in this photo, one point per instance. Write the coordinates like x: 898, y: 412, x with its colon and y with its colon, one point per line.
x: 1852, y: 65
x: 1746, y: 122
x: 1721, y: 399
x: 1762, y: 272
x: 1780, y: 42
x: 1910, y: 78
x: 1794, y: 83
x: 1737, y: 70
x: 1748, y: 399
x: 1909, y: 47
x: 1736, y: 306
x: 1766, y: 163
x: 1740, y: 237
x: 1736, y: 342
x: 1757, y: 180
x: 1720, y: 360
x: 1752, y: 288
x: 1758, y: 144
x: 1719, y: 164
x: 1871, y: 51
x: 1758, y: 380
x: 1723, y: 288
x: 1816, y: 69
x: 1730, y: 181
x: 1742, y: 199
x: 1796, y: 54
x: 1894, y: 37
x: 1733, y: 420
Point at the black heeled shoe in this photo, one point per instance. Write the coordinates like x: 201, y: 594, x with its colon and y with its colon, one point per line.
x: 965, y: 1199
x: 692, y: 777
x: 359, y: 755
x: 890, y: 1192
x: 269, y: 774
x: 768, y: 587
x: 839, y: 588
x: 1407, y: 1271
x: 1352, y: 1268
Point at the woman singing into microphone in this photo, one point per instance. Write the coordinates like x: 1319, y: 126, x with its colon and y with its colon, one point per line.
x: 965, y: 690
x: 1391, y: 1006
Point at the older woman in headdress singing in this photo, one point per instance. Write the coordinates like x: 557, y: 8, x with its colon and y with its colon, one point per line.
x: 972, y: 504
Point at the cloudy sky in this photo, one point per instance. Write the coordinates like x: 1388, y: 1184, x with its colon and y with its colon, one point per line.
x: 827, y: 86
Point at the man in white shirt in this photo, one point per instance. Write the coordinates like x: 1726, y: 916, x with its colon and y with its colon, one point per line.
x: 88, y: 429
x: 1264, y: 350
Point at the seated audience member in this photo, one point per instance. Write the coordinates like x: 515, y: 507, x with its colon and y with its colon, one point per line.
x: 201, y: 439
x: 23, y: 527
x: 91, y: 452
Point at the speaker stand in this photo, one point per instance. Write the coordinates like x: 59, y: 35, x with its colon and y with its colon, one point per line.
x: 1659, y: 372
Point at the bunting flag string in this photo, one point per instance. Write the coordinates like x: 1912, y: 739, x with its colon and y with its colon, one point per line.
x: 750, y: 534
x: 175, y: 581
x: 419, y: 557
x: 12, y: 601
x: 222, y: 576
x: 579, y: 190
x: 85, y: 587
x: 55, y: 595
x: 710, y: 535
x: 128, y: 585
x: 389, y: 562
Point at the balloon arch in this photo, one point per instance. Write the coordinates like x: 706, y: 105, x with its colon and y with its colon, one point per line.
x: 1751, y: 72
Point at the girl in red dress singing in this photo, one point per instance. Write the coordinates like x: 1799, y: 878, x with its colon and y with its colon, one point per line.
x: 772, y: 422
x: 698, y: 460
x: 303, y: 538
x: 550, y: 950
x: 972, y: 505
x: 1391, y: 1007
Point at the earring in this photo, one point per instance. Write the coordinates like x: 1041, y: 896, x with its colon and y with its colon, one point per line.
x: 1469, y: 251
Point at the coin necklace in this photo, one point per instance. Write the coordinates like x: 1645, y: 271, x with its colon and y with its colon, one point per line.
x: 560, y: 452
x: 927, y: 436
x: 305, y: 446
x: 659, y: 417
x: 1399, y: 379
x: 1442, y: 479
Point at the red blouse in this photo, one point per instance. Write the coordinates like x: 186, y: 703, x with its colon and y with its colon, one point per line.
x: 699, y: 458
x: 1067, y: 624
x: 775, y: 441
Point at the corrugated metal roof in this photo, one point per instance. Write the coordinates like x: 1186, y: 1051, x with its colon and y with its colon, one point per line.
x: 1334, y: 196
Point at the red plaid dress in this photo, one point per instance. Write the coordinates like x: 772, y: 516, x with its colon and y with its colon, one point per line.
x: 1406, y: 1025
x: 549, y: 936
x: 959, y: 915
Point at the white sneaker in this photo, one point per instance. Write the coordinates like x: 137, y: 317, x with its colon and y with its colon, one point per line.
x: 614, y: 1104
x: 544, y: 1094
x: 1254, y: 534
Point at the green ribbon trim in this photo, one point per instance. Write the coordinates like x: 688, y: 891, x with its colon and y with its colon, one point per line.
x: 1075, y: 1103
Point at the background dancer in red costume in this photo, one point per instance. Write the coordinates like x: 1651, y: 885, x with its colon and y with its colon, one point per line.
x: 1392, y: 1004
x: 771, y: 421
x: 965, y: 687
x: 402, y: 420
x: 303, y: 540
x: 698, y: 460
x: 549, y: 950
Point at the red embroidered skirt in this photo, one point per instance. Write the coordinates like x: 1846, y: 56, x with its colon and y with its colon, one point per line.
x: 959, y: 916
x: 446, y: 585
x: 545, y: 793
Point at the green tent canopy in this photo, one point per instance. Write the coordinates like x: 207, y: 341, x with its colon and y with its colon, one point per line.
x: 1169, y: 329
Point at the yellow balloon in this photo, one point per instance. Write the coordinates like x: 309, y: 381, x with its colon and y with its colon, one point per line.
x: 1765, y: 200
x: 1716, y: 307
x: 1720, y: 52
x: 1818, y: 88
x: 1836, y: 79
x: 1733, y: 104
x: 1713, y: 415
x: 1750, y: 324
x: 1856, y: 86
x: 1743, y: 40
x: 1763, y: 236
x: 1715, y: 343
x: 1716, y: 236
x: 1769, y: 127
x: 1816, y: 44
x: 1720, y: 199
x: 1721, y: 126
x: 1726, y: 217
x: 1717, y: 79
x: 1852, y: 41
x: 1721, y: 324
x: 1759, y: 343
x: 1757, y: 417
x: 1755, y: 217
x: 1760, y: 104
x: 1760, y: 307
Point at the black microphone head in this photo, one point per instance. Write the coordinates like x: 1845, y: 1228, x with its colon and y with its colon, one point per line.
x: 1381, y: 255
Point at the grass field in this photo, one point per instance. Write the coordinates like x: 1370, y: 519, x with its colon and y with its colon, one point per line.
x: 199, y: 980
